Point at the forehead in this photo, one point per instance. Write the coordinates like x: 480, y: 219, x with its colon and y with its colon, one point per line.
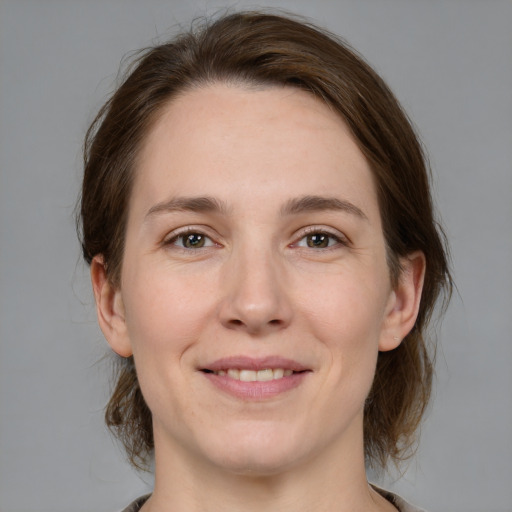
x: 237, y: 142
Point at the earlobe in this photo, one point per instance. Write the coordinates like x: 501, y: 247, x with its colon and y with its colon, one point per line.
x: 404, y: 302
x: 110, y: 309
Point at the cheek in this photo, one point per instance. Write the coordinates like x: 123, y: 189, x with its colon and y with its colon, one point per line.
x: 345, y: 312
x: 164, y: 319
x: 346, y: 317
x: 163, y: 308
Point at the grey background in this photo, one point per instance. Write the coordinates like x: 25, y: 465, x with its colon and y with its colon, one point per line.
x: 450, y: 63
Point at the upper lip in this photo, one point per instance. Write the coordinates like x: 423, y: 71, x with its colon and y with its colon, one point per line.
x: 256, y: 364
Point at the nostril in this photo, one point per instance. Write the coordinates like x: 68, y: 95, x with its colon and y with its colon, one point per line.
x: 236, y: 322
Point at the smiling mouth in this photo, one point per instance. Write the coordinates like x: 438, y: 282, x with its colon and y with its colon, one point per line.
x: 264, y: 375
x: 255, y: 378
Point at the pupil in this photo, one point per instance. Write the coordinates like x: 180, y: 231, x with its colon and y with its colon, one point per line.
x: 319, y: 240
x: 194, y: 240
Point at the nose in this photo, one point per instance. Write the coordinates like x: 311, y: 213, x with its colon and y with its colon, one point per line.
x: 255, y: 297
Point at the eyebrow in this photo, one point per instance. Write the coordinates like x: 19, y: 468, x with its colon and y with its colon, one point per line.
x: 304, y: 204
x: 320, y: 203
x: 203, y: 204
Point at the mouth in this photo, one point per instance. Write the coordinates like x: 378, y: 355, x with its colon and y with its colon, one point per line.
x: 243, y: 375
x: 255, y: 379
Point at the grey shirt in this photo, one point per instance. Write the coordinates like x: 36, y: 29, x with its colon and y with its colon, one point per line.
x: 396, y: 500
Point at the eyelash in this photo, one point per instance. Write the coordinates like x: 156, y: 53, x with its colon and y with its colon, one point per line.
x: 339, y: 240
x: 188, y: 232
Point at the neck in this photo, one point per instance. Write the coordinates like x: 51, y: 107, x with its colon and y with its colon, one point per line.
x: 324, y: 483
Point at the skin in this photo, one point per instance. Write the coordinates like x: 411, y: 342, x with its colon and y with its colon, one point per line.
x: 258, y: 287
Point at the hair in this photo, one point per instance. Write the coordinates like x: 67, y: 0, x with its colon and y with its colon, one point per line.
x: 254, y: 48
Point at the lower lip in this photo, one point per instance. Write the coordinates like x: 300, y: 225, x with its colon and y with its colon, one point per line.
x: 256, y: 390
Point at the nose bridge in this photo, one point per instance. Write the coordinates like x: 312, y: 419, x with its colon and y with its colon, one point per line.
x: 255, y: 298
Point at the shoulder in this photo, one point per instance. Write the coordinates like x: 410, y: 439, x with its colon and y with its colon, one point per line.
x: 397, y: 501
x: 136, y: 505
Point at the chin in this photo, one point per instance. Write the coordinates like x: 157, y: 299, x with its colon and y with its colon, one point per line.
x: 260, y: 452
x: 257, y: 464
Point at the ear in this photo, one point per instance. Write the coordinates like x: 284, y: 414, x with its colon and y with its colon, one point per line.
x: 404, y: 303
x: 110, y: 309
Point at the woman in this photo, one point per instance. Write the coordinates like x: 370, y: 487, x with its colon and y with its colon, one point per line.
x: 264, y: 257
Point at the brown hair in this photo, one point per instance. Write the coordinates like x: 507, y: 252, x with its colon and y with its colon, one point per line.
x: 266, y: 49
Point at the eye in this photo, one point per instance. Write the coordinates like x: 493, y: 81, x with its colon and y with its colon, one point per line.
x: 319, y: 240
x: 191, y: 240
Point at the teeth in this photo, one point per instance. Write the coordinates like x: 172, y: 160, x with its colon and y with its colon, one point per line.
x: 253, y: 376
x: 264, y: 375
x: 234, y: 374
x: 248, y: 375
x: 278, y: 373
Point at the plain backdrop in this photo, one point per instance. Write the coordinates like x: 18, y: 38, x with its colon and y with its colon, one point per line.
x: 449, y: 62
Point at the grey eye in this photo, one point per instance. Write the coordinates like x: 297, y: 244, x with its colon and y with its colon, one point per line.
x: 193, y: 240
x: 318, y: 240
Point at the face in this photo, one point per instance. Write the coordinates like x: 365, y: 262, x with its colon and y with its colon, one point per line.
x: 255, y: 293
